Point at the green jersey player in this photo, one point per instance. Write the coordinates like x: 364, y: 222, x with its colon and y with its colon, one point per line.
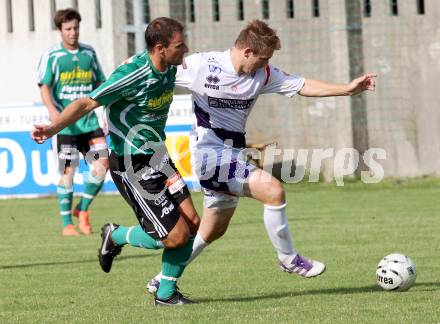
x: 68, y: 71
x: 137, y: 97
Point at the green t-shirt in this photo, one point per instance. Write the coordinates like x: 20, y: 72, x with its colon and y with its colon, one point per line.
x: 71, y: 75
x: 137, y: 98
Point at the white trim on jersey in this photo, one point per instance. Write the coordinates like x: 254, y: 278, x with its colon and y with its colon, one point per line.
x: 125, y: 81
x: 44, y: 60
x: 113, y: 129
x: 42, y: 66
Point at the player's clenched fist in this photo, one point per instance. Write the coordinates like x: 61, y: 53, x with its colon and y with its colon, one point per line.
x: 363, y: 83
x: 40, y: 133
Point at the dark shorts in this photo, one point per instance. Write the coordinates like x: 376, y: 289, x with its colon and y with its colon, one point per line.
x: 68, y: 148
x: 154, y: 193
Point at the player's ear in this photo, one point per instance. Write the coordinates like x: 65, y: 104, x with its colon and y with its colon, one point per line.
x: 159, y: 48
x: 247, y: 52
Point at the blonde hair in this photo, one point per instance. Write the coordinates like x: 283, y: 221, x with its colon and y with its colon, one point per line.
x: 259, y: 37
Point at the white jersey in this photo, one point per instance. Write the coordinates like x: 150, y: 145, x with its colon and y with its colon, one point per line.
x: 222, y: 102
x: 222, y: 99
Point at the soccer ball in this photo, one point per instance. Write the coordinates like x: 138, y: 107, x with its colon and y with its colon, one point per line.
x: 396, y: 272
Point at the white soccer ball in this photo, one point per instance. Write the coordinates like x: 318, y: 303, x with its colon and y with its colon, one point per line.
x: 396, y: 272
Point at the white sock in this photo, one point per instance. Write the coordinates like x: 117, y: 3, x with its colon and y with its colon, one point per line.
x: 198, y: 246
x: 275, y: 221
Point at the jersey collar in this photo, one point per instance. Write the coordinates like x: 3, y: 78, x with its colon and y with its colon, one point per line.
x: 69, y: 51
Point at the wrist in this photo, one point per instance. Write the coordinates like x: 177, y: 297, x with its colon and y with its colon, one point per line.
x: 52, y: 129
x: 348, y: 90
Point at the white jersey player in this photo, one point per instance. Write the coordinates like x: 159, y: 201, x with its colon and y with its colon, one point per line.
x: 225, y: 86
x: 222, y: 102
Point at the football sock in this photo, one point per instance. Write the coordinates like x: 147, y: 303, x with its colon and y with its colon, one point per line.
x: 65, y: 196
x: 198, y: 246
x: 275, y: 221
x: 92, y: 187
x: 173, y: 264
x: 135, y: 236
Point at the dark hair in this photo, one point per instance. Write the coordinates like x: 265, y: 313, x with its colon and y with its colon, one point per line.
x: 259, y: 37
x: 161, y: 30
x: 65, y: 15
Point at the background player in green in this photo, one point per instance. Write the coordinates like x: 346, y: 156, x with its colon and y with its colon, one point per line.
x: 66, y: 72
x: 137, y: 97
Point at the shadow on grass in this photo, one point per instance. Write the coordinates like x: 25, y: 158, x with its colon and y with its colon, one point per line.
x: 46, y: 264
x: 429, y: 286
x: 332, y: 291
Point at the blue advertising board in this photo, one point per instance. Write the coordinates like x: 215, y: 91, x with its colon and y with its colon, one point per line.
x: 28, y: 169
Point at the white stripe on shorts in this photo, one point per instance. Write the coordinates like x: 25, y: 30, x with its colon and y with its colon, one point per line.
x: 148, y: 212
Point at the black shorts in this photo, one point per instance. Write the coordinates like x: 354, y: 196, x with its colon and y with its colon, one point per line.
x: 68, y: 148
x: 154, y: 193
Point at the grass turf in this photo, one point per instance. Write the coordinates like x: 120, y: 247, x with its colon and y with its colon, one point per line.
x: 47, y: 278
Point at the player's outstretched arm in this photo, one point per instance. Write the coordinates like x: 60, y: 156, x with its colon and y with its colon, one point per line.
x: 317, y: 88
x: 71, y: 114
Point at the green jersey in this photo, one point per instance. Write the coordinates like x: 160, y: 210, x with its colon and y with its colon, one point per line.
x: 137, y: 98
x: 71, y: 75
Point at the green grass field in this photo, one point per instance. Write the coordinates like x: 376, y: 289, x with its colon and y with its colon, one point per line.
x: 47, y: 278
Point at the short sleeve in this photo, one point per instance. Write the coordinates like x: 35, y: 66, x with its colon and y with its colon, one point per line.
x: 45, y: 73
x: 97, y: 70
x: 122, y: 83
x: 281, y: 82
x: 187, y: 72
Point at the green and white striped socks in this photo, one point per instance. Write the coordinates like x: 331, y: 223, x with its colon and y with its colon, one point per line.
x: 65, y: 196
x: 92, y: 187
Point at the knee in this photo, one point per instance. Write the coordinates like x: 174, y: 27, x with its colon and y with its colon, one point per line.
x: 103, y: 166
x: 176, y: 239
x: 100, y: 169
x: 276, y: 194
x: 66, y: 180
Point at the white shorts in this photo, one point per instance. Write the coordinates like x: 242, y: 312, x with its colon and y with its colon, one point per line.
x: 221, y: 169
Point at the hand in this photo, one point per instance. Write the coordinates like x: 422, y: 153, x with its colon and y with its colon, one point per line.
x: 363, y: 83
x: 40, y: 133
